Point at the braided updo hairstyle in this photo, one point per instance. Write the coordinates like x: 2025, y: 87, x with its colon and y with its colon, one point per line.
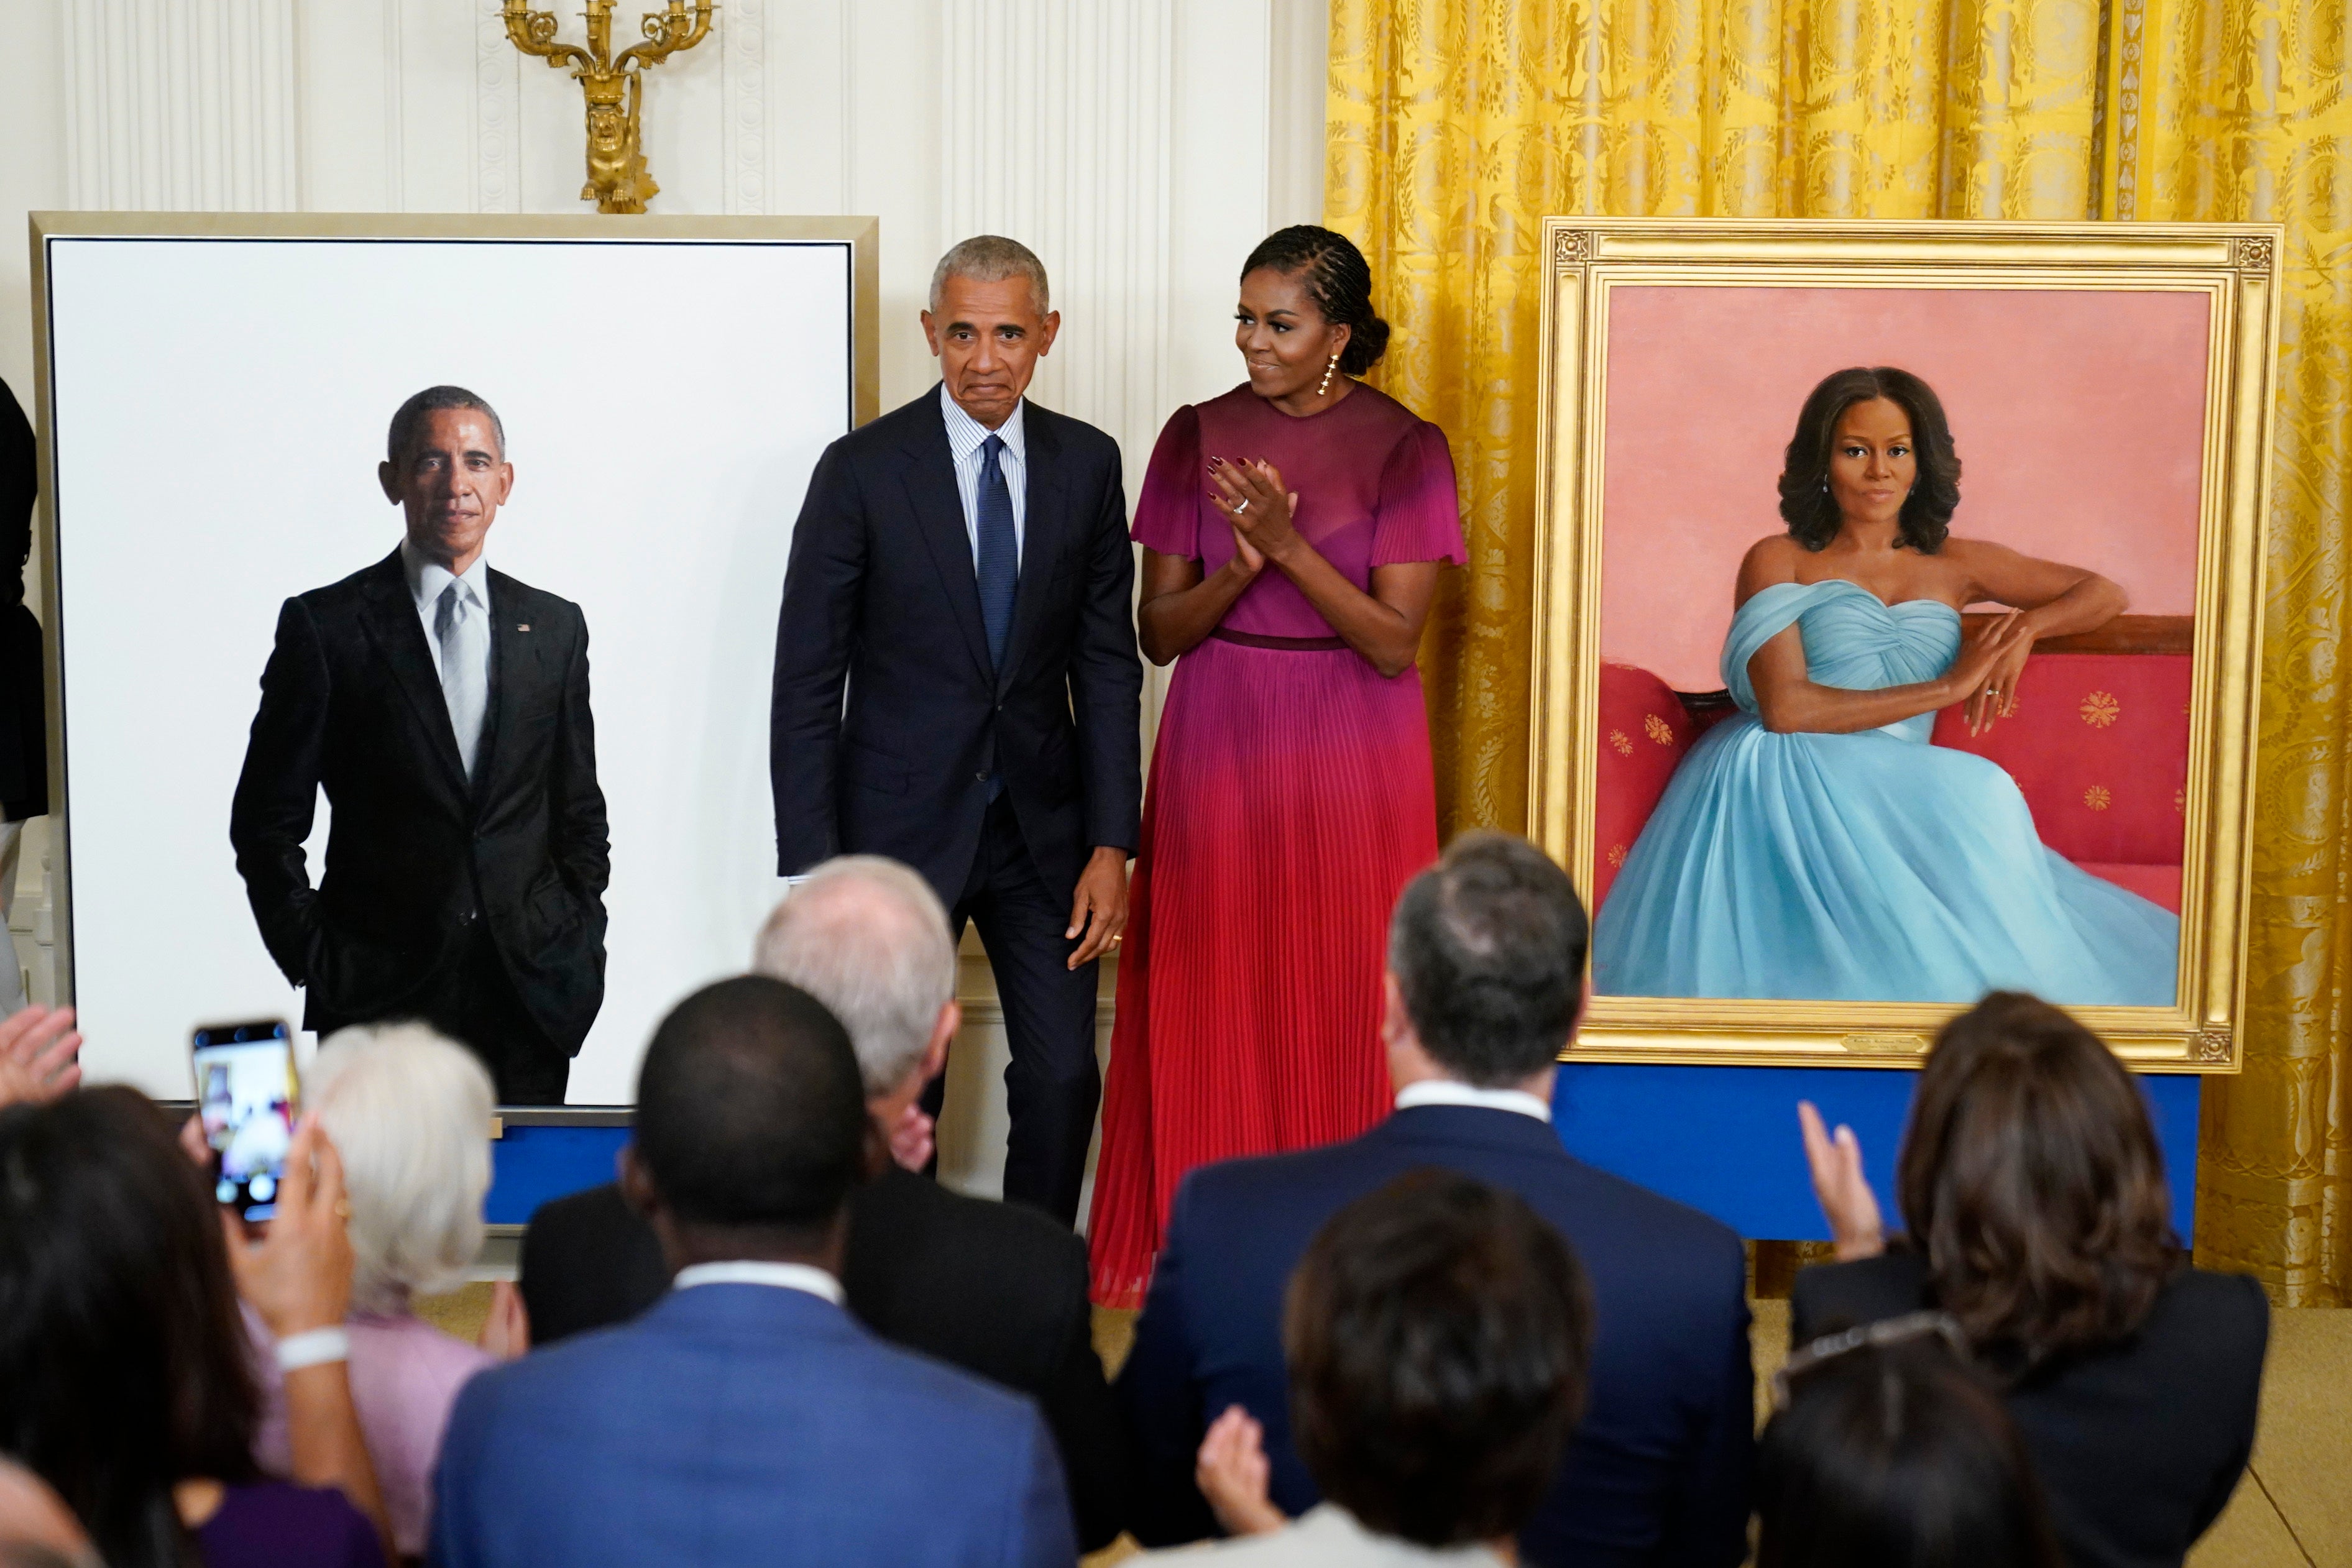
x: 1338, y: 280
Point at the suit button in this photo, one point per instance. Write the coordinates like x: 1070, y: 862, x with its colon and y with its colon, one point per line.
x: 466, y: 918
x: 980, y: 777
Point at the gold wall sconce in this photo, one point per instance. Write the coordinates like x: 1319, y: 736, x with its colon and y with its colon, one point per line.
x: 614, y: 86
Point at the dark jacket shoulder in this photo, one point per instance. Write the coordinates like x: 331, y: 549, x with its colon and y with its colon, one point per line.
x: 980, y: 1283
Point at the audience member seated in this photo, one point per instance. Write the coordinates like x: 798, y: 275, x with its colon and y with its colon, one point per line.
x: 1887, y: 1451
x: 36, y: 1528
x: 1485, y: 978
x: 125, y: 1375
x: 746, y: 1418
x: 2034, y: 1192
x: 409, y: 1112
x: 1438, y: 1331
x: 993, y: 1288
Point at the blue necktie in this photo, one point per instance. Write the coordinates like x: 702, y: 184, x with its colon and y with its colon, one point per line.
x: 1000, y: 556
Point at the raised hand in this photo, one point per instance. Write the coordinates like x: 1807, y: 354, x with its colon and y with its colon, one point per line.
x: 1232, y: 1474
x: 913, y: 1140
x: 1846, y: 1200
x: 299, y: 1275
x: 37, y: 1055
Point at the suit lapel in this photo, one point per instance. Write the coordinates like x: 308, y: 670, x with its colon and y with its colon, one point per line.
x: 931, y: 482
x: 1043, y: 525
x: 393, y: 625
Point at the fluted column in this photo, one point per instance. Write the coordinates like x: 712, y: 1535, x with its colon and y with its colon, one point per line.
x: 1056, y: 132
x: 181, y: 105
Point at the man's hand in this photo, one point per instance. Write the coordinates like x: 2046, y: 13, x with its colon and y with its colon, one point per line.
x: 1232, y: 1474
x: 299, y: 1276
x: 912, y: 1140
x: 1099, y: 912
x: 37, y: 1054
x: 506, y: 1331
x: 1845, y: 1198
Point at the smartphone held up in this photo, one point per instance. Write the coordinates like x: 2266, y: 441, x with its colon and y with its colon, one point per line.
x: 248, y: 1101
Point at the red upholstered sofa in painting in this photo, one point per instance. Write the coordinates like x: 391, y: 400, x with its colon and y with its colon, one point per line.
x: 2099, y: 745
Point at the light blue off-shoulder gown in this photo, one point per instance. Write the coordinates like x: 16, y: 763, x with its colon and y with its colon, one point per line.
x: 1869, y: 867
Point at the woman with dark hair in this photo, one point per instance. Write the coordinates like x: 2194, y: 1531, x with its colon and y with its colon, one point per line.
x: 1815, y: 845
x: 124, y: 1378
x: 2037, y: 1215
x: 1886, y: 1450
x: 1438, y: 1335
x: 1292, y: 531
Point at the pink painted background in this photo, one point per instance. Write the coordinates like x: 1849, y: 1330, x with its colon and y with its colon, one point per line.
x: 2078, y: 416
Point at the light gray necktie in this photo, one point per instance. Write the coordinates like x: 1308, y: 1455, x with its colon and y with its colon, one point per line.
x: 463, y: 632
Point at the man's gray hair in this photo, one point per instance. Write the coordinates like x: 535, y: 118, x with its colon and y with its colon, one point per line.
x: 991, y: 258
x: 409, y: 1112
x: 869, y: 939
x: 1487, y: 947
x: 406, y: 419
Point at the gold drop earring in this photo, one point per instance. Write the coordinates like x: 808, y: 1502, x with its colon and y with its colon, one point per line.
x: 1328, y: 371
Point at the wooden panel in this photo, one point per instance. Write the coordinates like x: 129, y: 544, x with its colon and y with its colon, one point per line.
x: 2124, y: 634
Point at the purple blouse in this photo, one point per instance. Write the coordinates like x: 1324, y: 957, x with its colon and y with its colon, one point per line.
x: 276, y: 1525
x: 1374, y: 481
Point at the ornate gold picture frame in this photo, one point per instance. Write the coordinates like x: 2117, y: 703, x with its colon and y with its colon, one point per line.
x: 2123, y: 385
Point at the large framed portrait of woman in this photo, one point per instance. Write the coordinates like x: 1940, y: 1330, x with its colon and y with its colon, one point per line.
x: 1897, y: 601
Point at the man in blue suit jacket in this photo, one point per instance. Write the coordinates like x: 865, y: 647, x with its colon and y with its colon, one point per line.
x: 1486, y: 962
x: 746, y: 1418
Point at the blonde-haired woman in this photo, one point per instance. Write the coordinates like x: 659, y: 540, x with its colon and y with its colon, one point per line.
x: 409, y: 1112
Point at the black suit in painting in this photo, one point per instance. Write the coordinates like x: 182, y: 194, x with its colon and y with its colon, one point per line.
x: 477, y: 907
x: 882, y: 604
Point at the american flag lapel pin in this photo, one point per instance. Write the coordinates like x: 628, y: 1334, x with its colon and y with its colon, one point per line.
x: 522, y: 626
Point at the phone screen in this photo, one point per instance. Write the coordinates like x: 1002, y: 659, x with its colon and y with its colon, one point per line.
x: 247, y: 1098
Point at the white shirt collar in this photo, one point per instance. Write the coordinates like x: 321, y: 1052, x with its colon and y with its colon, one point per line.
x: 966, y: 434
x: 427, y: 578
x: 1452, y: 1092
x: 782, y: 1276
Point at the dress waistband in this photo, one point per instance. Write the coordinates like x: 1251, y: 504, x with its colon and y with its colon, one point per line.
x: 1287, y: 644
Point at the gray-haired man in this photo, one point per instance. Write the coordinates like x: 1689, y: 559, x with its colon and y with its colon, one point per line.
x: 957, y: 686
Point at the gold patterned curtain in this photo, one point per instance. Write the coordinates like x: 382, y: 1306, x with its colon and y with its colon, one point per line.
x: 1457, y: 125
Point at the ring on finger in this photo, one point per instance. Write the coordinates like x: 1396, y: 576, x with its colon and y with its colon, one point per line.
x: 1241, y: 505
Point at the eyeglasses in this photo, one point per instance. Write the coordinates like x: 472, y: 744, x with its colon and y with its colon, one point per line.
x: 1878, y: 1336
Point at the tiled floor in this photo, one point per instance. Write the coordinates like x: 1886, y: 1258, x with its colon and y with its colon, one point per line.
x: 2294, y: 1509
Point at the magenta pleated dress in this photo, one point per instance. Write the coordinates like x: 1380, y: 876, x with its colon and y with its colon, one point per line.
x: 1290, y: 801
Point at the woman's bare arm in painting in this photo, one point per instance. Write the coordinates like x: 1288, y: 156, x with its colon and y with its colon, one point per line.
x: 1790, y: 702
x: 2055, y: 599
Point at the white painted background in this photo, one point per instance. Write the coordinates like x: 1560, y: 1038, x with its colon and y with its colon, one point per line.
x: 1141, y: 146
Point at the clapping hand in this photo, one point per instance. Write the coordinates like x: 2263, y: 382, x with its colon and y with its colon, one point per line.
x: 1252, y: 499
x: 37, y: 1055
x: 1846, y: 1200
x: 1232, y: 1474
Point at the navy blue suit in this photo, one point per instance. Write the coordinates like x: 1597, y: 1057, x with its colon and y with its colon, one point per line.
x: 1658, y: 1471
x: 745, y: 1424
x: 894, y: 731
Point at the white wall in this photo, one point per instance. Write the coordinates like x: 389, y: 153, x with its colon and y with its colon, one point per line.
x: 1141, y: 146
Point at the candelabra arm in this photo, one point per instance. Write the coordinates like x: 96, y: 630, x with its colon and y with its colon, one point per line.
x: 667, y: 33
x: 533, y: 32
